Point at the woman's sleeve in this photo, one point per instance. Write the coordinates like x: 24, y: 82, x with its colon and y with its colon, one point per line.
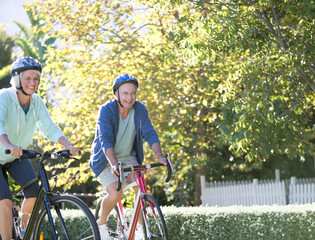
x: 3, y: 113
x: 45, y: 123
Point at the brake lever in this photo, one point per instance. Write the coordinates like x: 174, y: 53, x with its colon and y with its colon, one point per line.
x: 120, y: 177
x: 169, y: 161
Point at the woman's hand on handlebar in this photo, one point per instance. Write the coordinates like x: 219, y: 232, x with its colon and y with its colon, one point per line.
x: 68, y: 146
x: 16, y: 151
x: 73, y: 150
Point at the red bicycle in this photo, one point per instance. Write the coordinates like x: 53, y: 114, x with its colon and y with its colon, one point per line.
x: 122, y: 222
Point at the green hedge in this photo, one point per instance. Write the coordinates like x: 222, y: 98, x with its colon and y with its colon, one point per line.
x: 291, y: 222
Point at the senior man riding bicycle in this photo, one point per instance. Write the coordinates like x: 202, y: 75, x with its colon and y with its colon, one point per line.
x: 122, y: 124
x: 21, y: 110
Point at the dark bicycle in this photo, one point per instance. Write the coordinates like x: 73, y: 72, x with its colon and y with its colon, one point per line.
x: 54, y: 216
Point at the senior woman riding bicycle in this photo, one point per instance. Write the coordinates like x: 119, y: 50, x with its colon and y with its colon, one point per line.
x: 21, y: 111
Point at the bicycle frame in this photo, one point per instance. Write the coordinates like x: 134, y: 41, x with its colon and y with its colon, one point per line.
x: 42, y: 198
x: 138, y: 206
x: 144, y: 204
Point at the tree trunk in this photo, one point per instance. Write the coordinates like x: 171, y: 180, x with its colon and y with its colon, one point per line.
x: 199, y: 172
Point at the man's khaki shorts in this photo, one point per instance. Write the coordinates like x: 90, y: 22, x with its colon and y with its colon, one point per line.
x: 106, y: 178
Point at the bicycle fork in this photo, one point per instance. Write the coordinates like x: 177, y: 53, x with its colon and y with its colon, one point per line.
x: 144, y: 215
x: 141, y: 195
x: 48, y: 204
x: 149, y: 234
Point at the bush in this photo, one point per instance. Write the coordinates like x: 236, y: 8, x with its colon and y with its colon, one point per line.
x: 291, y: 222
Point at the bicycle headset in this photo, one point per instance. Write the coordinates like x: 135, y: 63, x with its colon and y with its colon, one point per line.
x: 126, y: 78
x: 23, y: 64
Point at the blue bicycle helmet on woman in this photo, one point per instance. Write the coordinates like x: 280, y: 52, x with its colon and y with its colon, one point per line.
x: 20, y: 65
x: 23, y: 64
x: 126, y: 78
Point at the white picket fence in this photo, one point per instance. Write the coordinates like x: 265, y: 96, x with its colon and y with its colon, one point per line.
x: 302, y: 190
x: 266, y: 192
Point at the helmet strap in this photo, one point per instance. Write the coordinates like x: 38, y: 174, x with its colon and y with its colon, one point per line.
x: 119, y: 99
x: 21, y: 88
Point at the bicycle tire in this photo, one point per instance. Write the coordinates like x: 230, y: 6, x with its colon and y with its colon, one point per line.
x: 97, y: 209
x: 154, y: 226
x: 114, y: 225
x: 78, y: 220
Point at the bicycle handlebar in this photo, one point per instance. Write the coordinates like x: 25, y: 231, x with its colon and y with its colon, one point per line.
x: 170, y: 169
x: 28, y: 153
x: 62, y: 153
x: 33, y: 154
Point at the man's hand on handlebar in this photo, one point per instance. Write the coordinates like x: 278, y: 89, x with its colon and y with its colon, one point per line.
x: 115, y: 171
x: 162, y: 160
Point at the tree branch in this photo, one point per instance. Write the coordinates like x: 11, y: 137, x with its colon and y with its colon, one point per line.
x: 147, y: 24
x: 264, y: 18
x: 307, y: 78
x: 277, y: 25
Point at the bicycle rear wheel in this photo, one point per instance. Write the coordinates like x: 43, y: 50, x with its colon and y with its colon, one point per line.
x: 153, y: 221
x: 98, y: 209
x: 71, y: 217
x: 114, y: 224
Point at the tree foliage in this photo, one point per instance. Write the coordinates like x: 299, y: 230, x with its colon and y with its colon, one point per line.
x: 6, y: 47
x: 128, y: 39
x: 264, y: 53
x: 228, y: 84
x: 99, y: 41
x: 31, y: 43
x: 261, y: 54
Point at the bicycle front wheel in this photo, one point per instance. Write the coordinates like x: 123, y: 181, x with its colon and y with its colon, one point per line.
x: 72, y: 220
x: 153, y: 221
x: 114, y: 223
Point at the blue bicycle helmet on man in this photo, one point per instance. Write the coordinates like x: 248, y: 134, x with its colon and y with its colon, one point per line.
x: 126, y: 78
